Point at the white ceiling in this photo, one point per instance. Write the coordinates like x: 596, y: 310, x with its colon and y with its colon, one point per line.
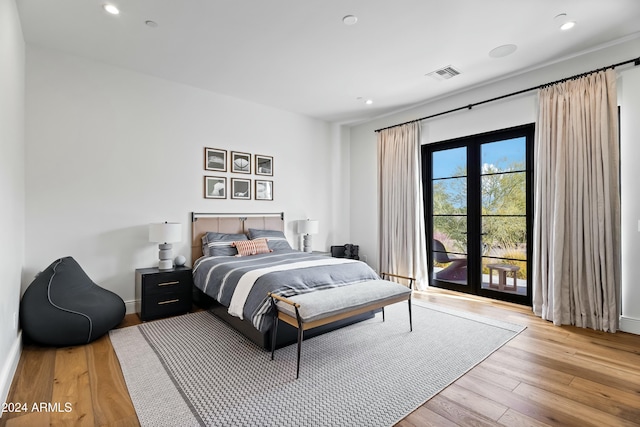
x: 299, y: 56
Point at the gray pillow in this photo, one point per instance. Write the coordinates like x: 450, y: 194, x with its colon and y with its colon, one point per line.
x: 275, y: 239
x: 219, y: 244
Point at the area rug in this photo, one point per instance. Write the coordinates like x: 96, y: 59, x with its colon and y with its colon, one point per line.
x: 196, y: 370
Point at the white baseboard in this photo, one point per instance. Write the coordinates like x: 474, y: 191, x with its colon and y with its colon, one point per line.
x: 8, y: 369
x: 130, y: 306
x: 630, y: 324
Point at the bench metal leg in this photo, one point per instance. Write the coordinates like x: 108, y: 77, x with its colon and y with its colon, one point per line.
x: 383, y: 314
x: 300, y: 337
x: 274, y: 331
x: 410, y: 317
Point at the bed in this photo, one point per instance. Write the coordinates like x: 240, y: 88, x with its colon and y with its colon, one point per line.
x: 235, y: 288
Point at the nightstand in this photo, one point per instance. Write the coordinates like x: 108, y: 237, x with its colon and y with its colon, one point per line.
x: 163, y: 293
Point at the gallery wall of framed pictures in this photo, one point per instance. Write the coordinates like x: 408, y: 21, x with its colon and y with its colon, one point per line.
x: 239, y: 186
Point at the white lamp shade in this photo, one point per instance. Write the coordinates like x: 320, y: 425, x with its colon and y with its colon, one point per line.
x: 308, y: 226
x: 165, y: 232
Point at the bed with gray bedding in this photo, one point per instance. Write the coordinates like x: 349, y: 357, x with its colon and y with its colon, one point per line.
x: 224, y: 282
x: 241, y: 284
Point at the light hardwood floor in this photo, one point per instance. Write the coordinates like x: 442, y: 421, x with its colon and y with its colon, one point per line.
x: 547, y: 375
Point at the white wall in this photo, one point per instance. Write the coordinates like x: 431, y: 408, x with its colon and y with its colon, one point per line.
x: 12, y: 188
x: 110, y: 151
x: 630, y: 154
x: 501, y: 114
x: 338, y: 179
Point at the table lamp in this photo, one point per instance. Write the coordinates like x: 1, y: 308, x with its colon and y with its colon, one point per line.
x: 308, y: 227
x: 165, y: 233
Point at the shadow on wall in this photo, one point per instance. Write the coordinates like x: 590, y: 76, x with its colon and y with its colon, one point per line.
x: 118, y: 253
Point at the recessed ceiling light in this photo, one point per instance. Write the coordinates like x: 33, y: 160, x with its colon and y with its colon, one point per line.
x: 152, y: 24
x: 564, y: 21
x: 111, y: 9
x: 369, y: 101
x: 504, y: 50
x: 350, y: 20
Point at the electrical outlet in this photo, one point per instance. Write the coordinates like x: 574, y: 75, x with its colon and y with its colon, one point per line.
x: 364, y: 258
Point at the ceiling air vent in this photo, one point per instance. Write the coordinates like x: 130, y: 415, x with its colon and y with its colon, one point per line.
x: 444, y: 73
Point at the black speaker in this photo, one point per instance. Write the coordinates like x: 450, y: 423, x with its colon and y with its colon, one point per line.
x: 345, y: 251
x: 337, y: 251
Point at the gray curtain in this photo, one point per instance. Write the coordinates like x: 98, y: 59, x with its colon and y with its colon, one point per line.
x: 576, y: 247
x: 402, y: 248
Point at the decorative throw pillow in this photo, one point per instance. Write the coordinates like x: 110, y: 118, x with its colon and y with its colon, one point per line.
x: 220, y: 244
x: 252, y: 247
x: 275, y: 238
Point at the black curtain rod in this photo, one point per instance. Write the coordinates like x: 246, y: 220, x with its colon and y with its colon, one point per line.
x: 636, y: 62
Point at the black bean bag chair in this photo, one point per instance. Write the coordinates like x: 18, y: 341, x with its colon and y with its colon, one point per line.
x: 64, y: 307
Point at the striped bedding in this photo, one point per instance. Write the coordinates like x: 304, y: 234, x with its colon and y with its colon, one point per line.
x: 242, y: 283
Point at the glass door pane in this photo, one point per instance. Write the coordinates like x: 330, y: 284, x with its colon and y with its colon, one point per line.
x: 449, y: 215
x: 504, y: 216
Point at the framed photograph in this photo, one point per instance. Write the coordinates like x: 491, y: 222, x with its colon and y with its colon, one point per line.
x: 240, y: 188
x: 264, y: 165
x: 240, y: 162
x: 215, y: 187
x: 264, y: 190
x: 215, y: 159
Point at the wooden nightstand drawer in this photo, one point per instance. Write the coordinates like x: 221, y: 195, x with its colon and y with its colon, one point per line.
x: 163, y: 293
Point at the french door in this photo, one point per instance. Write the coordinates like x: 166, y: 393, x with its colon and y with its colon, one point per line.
x: 478, y: 211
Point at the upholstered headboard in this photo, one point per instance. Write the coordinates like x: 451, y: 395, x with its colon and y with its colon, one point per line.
x: 201, y: 223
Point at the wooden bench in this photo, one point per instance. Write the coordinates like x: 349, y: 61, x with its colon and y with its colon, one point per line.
x: 313, y: 309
